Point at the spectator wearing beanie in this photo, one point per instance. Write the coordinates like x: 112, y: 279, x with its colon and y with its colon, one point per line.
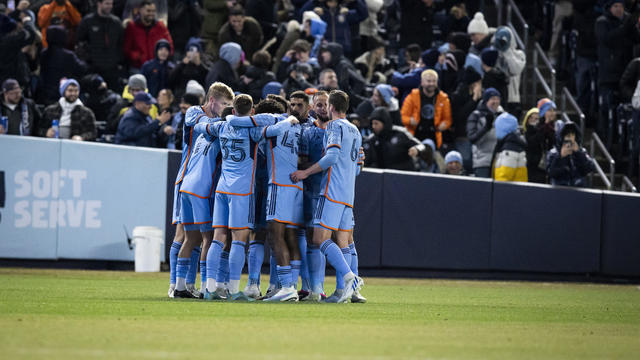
x: 482, y: 133
x: 194, y: 87
x: 383, y: 96
x: 493, y: 77
x: 189, y: 68
x: 464, y: 101
x: 76, y: 121
x: 479, y: 32
x: 137, y: 83
x: 568, y: 163
x: 512, y: 62
x: 157, y: 70
x: 98, y: 97
x: 22, y: 114
x: 453, y: 163
x: 225, y: 69
x: 510, y: 156
x: 540, y: 138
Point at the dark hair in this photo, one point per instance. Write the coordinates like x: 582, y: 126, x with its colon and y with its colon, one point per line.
x: 242, y: 104
x: 301, y: 45
x: 340, y: 100
x: 226, y: 111
x: 144, y: 3
x: 299, y: 94
x: 280, y: 100
x: 414, y: 51
x: 261, y: 59
x: 190, y: 99
x: 236, y: 10
x: 269, y: 106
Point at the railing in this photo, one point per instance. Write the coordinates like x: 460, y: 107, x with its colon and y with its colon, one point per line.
x: 595, y: 140
x: 523, y: 41
x: 498, y: 4
x: 568, y: 98
x: 602, y: 175
x: 627, y: 185
x: 550, y: 90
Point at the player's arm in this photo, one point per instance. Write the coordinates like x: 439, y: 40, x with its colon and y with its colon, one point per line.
x: 208, y: 128
x: 253, y: 120
x: 273, y: 130
x: 330, y: 158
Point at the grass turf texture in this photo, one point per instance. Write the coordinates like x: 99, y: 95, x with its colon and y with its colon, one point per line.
x: 61, y: 314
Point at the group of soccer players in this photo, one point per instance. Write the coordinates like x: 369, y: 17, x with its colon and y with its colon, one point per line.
x: 282, y: 172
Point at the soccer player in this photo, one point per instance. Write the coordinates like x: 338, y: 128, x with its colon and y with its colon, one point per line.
x: 234, y: 200
x: 197, y: 184
x: 334, y: 212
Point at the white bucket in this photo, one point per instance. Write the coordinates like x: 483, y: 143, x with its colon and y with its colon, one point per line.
x: 148, y: 243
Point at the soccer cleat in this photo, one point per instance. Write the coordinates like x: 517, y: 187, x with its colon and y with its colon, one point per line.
x: 192, y: 289
x: 172, y: 289
x: 313, y: 297
x: 303, y: 294
x: 218, y: 294
x: 333, y: 298
x: 252, y: 291
x: 285, y: 294
x: 270, y: 293
x: 183, y: 294
x: 240, y: 296
x: 357, y: 298
x: 351, y: 284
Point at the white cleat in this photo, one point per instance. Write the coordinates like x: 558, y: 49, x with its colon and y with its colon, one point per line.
x: 352, y: 284
x: 252, y: 291
x: 285, y: 294
x: 270, y: 292
x: 334, y: 297
x: 172, y: 289
x: 357, y: 298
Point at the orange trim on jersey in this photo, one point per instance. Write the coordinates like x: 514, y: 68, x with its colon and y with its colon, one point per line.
x: 197, y: 223
x: 273, y: 170
x: 253, y: 121
x: 317, y: 124
x: 326, y: 192
x: 332, y: 145
x: 175, y: 222
x: 343, y: 230
x: 239, y: 228
x: 220, y: 226
x: 196, y: 195
x: 329, y: 227
x: 286, y: 222
x: 184, y: 170
x: 213, y: 183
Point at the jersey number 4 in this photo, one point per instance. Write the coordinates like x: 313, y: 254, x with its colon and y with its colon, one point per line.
x: 235, y: 151
x: 291, y: 143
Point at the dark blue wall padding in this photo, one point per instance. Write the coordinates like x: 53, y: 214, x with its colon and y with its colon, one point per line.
x: 368, y: 215
x: 620, y: 234
x: 435, y: 221
x: 173, y: 162
x: 545, y: 229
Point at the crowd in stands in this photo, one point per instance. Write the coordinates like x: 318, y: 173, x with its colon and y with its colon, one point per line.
x: 434, y: 87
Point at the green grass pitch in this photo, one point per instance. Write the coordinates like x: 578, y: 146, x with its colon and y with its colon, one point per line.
x: 60, y: 314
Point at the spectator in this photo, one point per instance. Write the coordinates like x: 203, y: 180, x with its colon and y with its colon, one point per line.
x: 142, y: 34
x: 482, y: 132
x: 300, y: 53
x: 464, y: 101
x: 13, y: 38
x: 177, y: 121
x: 453, y: 163
x: 392, y: 147
x: 547, y: 110
x: 57, y: 63
x: 383, y: 96
x: 137, y: 128
x: 257, y: 75
x: 373, y: 66
x: 215, y: 15
x: 586, y: 52
x: 22, y: 113
x: 510, y: 156
x: 349, y: 80
x: 426, y: 111
x: 76, y: 121
x: 312, y: 31
x: 167, y: 131
x: 185, y: 22
x: 493, y: 76
x: 100, y: 40
x: 540, y: 137
x: 242, y: 30
x: 165, y: 101
x: 194, y: 87
x: 479, y: 32
x: 300, y: 77
x: 190, y: 68
x: 450, y: 73
x: 272, y: 88
x: 327, y: 80
x: 157, y: 70
x: 568, y: 163
x: 416, y: 14
x: 458, y: 19
x: 411, y: 80
x: 512, y: 62
x: 430, y: 160
x: 225, y: 70
x: 59, y: 12
x: 136, y: 84
x: 562, y: 10
x: 339, y: 19
x: 265, y: 12
x: 369, y: 27
x: 98, y: 97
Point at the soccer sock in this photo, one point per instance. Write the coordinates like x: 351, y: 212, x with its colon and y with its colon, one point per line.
x: 346, y: 253
x: 213, y: 260
x: 223, y: 268
x: 314, y: 257
x: 295, y: 271
x: 354, y: 258
x: 236, y: 263
x: 193, y: 265
x: 256, y: 257
x: 173, y: 260
x: 304, y: 265
x: 335, y: 257
x: 203, y: 275
x: 284, y: 275
x: 273, y: 272
x: 323, y: 269
x: 181, y: 273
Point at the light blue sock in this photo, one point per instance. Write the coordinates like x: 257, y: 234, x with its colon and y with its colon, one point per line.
x: 236, y: 260
x: 223, y: 267
x: 346, y: 253
x: 256, y: 257
x: 284, y: 275
x: 203, y: 271
x: 193, y: 265
x: 173, y: 260
x: 304, y: 265
x: 295, y: 272
x: 335, y: 258
x: 181, y: 272
x: 315, y: 257
x: 354, y: 258
x: 213, y: 259
x: 273, y: 272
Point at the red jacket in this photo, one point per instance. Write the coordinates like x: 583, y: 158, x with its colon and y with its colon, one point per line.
x: 140, y: 42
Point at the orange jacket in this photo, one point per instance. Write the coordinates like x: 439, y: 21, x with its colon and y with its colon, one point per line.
x: 69, y: 15
x: 411, y: 110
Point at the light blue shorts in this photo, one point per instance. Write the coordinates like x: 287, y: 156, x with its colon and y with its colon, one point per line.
x: 333, y: 216
x: 177, y: 195
x: 195, y: 212
x: 284, y: 205
x: 235, y: 212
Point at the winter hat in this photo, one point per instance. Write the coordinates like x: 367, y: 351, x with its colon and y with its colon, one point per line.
x: 7, y: 24
x: 194, y: 87
x: 489, y: 93
x: 9, y: 85
x: 478, y: 25
x: 470, y: 75
x: 489, y: 56
x: 502, y: 38
x: 272, y: 87
x: 527, y: 115
x: 193, y: 42
x: 430, y: 57
x: 137, y: 81
x: 64, y: 84
x: 544, y: 105
x: 163, y: 43
x: 609, y: 3
x: 143, y: 97
x: 452, y: 156
x: 308, y: 15
x: 386, y: 91
x: 505, y: 125
x: 231, y: 52
x: 475, y: 62
x: 444, y: 48
x: 429, y: 143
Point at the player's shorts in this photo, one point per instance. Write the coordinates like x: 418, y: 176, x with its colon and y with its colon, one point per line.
x: 195, y: 212
x: 284, y: 205
x: 235, y: 212
x: 333, y: 216
x: 310, y: 203
x: 177, y: 198
x: 261, y: 204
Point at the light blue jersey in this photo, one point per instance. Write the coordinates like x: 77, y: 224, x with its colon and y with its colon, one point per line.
x: 339, y: 180
x: 194, y: 115
x: 312, y: 146
x: 201, y: 177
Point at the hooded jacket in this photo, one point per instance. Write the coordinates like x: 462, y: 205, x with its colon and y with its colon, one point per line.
x: 222, y: 70
x: 510, y: 157
x: 615, y: 43
x: 512, y: 63
x: 140, y: 41
x: 349, y: 80
x: 99, y: 100
x: 482, y: 134
x: 573, y: 169
x: 157, y: 72
x: 411, y: 110
x: 390, y: 148
x: 16, y: 66
x: 338, y: 24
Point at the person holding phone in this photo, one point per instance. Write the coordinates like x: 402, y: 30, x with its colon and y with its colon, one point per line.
x: 568, y: 163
